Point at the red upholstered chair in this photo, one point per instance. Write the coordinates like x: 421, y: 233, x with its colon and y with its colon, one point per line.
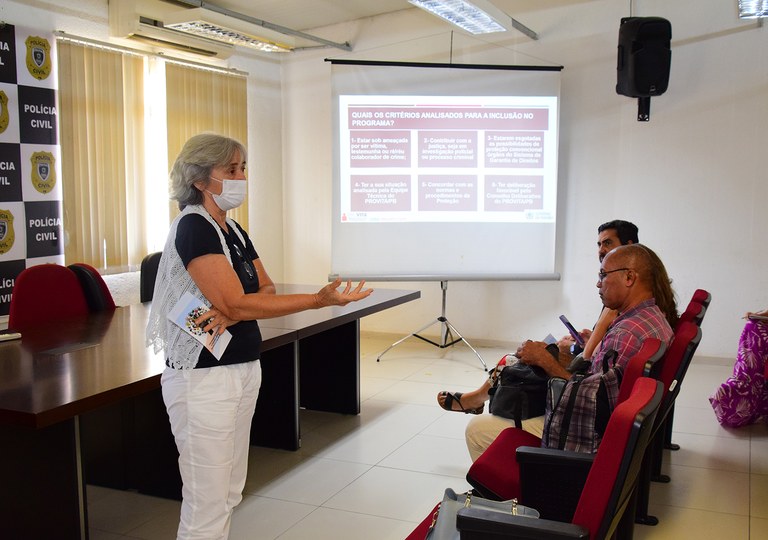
x: 673, y: 369
x: 45, y: 293
x: 693, y: 313
x: 497, y: 474
x: 607, y: 491
x: 96, y: 292
x: 702, y: 297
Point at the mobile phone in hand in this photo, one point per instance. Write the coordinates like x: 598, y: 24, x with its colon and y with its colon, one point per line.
x: 572, y: 331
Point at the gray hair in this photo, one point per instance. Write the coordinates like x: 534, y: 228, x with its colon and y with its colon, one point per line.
x: 199, y: 156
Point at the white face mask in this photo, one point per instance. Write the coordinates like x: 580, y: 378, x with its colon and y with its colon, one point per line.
x: 232, y: 193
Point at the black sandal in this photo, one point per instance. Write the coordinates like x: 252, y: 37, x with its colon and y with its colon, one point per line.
x: 450, y: 397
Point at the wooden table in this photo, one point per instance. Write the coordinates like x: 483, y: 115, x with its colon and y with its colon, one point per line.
x: 80, y: 402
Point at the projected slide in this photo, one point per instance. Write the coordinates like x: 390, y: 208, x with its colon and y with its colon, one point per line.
x: 457, y: 159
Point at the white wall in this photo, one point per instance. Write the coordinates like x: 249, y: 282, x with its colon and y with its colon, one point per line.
x: 692, y: 178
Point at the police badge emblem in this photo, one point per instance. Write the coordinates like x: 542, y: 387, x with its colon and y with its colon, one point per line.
x: 4, y: 115
x: 7, y: 235
x: 38, y: 57
x: 43, y: 171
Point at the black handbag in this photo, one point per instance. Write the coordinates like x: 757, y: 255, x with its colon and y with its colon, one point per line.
x: 519, y: 391
x: 444, y: 519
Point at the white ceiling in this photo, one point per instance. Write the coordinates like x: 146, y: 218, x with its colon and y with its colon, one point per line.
x: 308, y: 14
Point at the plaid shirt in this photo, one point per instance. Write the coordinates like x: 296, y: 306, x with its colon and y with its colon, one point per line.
x: 627, y: 332
x: 584, y: 431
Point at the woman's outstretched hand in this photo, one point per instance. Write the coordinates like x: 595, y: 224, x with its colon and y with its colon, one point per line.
x: 331, y: 296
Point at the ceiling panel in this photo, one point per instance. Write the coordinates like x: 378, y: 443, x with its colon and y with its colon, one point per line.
x: 308, y: 14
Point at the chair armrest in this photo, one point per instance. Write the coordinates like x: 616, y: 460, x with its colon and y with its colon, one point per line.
x: 480, y: 524
x: 551, y: 480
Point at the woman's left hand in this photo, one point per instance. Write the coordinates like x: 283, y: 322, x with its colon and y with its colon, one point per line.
x: 330, y: 296
x: 215, y: 320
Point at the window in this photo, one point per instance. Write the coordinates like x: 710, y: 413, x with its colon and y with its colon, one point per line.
x: 119, y: 112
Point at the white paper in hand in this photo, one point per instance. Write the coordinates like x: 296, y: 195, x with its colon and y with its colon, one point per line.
x: 184, y: 313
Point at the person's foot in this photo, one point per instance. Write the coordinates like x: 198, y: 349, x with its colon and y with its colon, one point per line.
x: 452, y: 401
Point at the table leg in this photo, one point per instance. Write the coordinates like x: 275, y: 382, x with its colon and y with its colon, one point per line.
x: 330, y: 369
x: 276, y: 420
x: 43, y: 493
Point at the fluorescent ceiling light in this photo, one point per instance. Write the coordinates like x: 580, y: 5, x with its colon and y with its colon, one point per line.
x: 219, y: 27
x: 463, y: 14
x: 476, y: 16
x: 753, y: 9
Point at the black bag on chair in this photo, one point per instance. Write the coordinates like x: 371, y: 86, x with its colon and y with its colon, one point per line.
x: 519, y: 391
x: 444, y: 519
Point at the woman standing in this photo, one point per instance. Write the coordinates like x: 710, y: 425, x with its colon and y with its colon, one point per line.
x: 210, y: 400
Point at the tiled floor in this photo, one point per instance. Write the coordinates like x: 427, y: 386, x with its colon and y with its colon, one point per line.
x: 375, y: 476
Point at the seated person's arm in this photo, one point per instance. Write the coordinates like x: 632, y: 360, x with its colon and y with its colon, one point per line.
x: 607, y: 316
x: 535, y: 353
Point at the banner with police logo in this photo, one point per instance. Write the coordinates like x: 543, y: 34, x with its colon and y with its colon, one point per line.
x: 30, y: 172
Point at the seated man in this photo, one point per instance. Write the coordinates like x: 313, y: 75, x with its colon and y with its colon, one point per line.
x: 609, y: 235
x: 630, y: 278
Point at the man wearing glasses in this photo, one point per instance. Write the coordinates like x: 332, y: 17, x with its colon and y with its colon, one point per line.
x: 609, y: 235
x: 630, y: 279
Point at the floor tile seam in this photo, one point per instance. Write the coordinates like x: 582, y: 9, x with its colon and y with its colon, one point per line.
x: 359, y: 513
x: 91, y: 528
x: 331, y: 496
x: 730, y: 437
x: 279, y: 499
x: 286, y: 531
x: 362, y: 377
x: 441, y: 475
x: 319, y: 456
x: 699, y: 467
x: 137, y: 527
x: 698, y: 509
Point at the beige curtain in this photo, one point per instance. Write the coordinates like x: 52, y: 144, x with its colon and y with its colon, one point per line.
x: 101, y: 101
x: 200, y: 100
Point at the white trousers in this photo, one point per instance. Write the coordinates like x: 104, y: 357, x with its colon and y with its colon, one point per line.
x: 210, y: 411
x: 484, y: 428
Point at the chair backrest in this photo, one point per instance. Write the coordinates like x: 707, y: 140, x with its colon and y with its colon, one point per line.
x: 96, y: 292
x: 44, y: 293
x: 702, y: 297
x: 614, y: 472
x: 693, y: 313
x: 645, y: 363
x: 676, y: 361
x: 148, y: 275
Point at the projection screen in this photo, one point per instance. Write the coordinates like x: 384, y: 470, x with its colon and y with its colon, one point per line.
x: 444, y: 171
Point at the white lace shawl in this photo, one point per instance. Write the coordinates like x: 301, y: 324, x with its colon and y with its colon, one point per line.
x: 181, y: 350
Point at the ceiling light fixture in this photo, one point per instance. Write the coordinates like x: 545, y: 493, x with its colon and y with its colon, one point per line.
x: 475, y: 17
x: 222, y: 24
x: 212, y: 25
x: 753, y: 9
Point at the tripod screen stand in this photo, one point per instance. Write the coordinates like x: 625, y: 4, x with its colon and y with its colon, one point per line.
x: 447, y: 333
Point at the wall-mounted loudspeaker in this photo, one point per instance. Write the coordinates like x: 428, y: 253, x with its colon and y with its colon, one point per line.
x: 644, y: 59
